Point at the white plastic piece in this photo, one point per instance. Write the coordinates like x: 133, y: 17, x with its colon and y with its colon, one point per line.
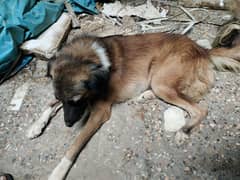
x: 174, y: 119
x: 18, y: 97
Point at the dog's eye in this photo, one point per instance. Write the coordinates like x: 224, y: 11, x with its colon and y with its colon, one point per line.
x: 94, y: 67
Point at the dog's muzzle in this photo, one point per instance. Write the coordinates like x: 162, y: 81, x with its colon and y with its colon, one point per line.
x: 73, y: 111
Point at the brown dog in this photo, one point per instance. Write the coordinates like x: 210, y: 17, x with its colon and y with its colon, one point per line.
x: 113, y: 69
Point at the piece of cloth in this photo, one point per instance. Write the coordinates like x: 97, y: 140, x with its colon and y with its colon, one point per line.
x: 21, y: 20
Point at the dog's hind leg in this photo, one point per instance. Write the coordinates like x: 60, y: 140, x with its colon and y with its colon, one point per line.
x: 171, y: 96
x: 99, y: 115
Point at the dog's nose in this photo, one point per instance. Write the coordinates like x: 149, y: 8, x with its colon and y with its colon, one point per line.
x: 68, y: 124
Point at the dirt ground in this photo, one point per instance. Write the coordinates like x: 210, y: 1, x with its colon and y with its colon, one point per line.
x: 133, y: 145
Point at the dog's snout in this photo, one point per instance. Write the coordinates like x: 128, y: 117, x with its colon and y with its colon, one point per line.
x: 68, y: 124
x: 73, y: 112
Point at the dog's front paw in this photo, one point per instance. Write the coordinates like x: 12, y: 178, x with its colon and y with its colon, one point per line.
x: 61, y: 170
x: 36, y: 128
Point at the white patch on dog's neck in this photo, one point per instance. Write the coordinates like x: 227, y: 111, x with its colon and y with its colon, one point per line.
x: 101, y: 53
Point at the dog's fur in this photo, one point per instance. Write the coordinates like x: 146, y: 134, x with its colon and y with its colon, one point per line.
x: 113, y: 69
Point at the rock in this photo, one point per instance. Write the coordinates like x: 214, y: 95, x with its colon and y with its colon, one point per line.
x: 174, y: 119
x: 187, y: 169
x: 204, y: 43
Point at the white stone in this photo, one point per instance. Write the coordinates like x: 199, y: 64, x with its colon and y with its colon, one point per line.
x: 204, y: 43
x: 174, y: 119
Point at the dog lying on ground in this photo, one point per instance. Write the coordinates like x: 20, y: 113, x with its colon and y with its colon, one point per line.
x: 109, y: 70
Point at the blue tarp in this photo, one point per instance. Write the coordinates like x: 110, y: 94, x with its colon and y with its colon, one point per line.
x: 24, y: 19
x: 88, y: 6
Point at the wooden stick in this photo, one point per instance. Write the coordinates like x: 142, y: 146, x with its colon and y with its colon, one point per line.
x: 75, y: 22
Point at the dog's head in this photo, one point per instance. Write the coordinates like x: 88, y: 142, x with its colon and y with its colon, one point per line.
x: 80, y: 72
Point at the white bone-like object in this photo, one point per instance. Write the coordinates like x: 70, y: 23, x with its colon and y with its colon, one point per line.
x: 18, y: 97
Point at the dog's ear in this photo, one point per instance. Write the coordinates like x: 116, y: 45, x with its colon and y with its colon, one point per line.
x: 49, y: 67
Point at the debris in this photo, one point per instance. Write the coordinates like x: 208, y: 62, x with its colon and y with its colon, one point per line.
x: 92, y: 25
x: 157, y: 23
x: 192, y: 21
x: 133, y: 2
x: 36, y: 128
x: 146, y: 11
x: 99, y: 26
x: 75, y: 22
x: 174, y: 119
x: 214, y: 4
x: 187, y: 169
x: 18, y: 97
x: 49, y: 41
x: 228, y: 35
x: 148, y: 24
x: 235, y: 8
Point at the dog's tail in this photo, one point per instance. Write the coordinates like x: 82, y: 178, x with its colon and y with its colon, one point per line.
x: 226, y: 59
